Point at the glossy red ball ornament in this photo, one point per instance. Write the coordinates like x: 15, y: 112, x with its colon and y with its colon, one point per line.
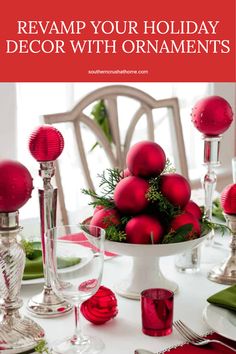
x: 104, y: 218
x: 16, y: 185
x: 212, y: 115
x: 144, y: 229
x: 130, y: 195
x: 101, y: 307
x: 175, y: 188
x: 184, y: 219
x: 192, y: 208
x: 98, y: 208
x: 46, y: 143
x: 228, y: 199
x: 146, y: 159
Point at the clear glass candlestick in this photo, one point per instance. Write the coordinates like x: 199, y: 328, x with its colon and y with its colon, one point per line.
x: 234, y: 169
x: 47, y: 303
x: 211, y: 160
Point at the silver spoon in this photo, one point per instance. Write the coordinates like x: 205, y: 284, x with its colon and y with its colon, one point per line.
x: 142, y: 351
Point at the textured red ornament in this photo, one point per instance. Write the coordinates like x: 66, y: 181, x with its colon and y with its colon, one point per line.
x: 146, y: 159
x: 101, y: 307
x: 228, y: 199
x: 184, y: 219
x: 143, y: 229
x: 46, y: 143
x: 175, y: 188
x: 194, y: 209
x: 15, y: 185
x: 130, y: 195
x: 212, y: 115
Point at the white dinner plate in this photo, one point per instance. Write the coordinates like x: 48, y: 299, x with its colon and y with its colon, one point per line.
x: 221, y: 320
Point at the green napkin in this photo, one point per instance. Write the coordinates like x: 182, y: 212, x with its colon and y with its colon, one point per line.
x: 34, y: 264
x: 225, y: 298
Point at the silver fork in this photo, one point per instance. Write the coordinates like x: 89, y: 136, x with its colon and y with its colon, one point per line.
x: 194, y: 338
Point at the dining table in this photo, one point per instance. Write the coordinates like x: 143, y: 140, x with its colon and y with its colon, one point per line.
x: 123, y: 334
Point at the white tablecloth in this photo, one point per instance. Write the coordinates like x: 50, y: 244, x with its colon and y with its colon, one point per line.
x: 123, y: 334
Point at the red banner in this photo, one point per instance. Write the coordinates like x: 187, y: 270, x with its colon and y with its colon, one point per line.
x: 172, y: 40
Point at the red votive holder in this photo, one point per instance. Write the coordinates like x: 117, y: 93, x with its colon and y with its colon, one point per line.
x: 157, y: 311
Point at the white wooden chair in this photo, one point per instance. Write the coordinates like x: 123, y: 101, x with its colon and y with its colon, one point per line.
x: 116, y: 152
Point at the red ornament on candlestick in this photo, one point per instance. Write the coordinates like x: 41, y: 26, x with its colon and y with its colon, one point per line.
x: 46, y: 143
x: 228, y: 199
x: 101, y: 307
x: 212, y: 115
x: 15, y: 185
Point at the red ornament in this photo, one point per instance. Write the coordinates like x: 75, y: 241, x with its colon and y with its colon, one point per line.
x: 130, y: 195
x: 146, y: 159
x: 212, y: 115
x: 175, y: 188
x: 126, y: 173
x: 15, y: 185
x: 104, y: 218
x: 143, y: 229
x: 101, y: 307
x: 228, y: 199
x: 194, y: 209
x: 46, y: 143
x: 184, y: 219
x: 98, y: 208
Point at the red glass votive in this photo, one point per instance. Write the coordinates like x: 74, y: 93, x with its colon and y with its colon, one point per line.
x: 157, y: 311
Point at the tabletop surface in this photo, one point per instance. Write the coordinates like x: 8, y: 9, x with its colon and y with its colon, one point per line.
x: 123, y: 334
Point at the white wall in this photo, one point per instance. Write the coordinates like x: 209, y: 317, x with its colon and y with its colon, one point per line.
x: 8, y: 121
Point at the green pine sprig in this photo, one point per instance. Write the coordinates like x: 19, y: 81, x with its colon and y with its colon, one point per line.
x: 98, y: 199
x: 28, y: 248
x: 113, y: 233
x: 169, y: 168
x: 179, y: 235
x: 108, y: 180
x: 208, y: 226
x: 154, y: 196
x: 42, y: 347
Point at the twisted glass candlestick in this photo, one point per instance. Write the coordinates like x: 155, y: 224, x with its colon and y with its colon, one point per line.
x: 17, y: 333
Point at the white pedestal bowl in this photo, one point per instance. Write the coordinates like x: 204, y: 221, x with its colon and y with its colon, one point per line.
x: 145, y: 270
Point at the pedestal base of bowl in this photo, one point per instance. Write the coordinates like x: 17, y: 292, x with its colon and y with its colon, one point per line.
x: 145, y: 273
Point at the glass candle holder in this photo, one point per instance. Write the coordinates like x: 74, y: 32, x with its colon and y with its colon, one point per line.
x: 157, y: 311
x: 234, y: 169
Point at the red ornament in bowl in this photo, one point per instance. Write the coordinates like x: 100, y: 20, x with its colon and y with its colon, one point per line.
x: 130, y: 195
x: 228, y: 199
x: 46, y: 143
x: 192, y: 208
x: 104, y: 218
x: 212, y: 115
x: 175, y: 188
x: 101, y: 307
x: 186, y: 219
x: 15, y: 185
x: 143, y: 229
x: 146, y: 159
